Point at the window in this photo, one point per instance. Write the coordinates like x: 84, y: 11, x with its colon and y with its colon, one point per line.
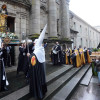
x: 74, y: 25
x: 80, y: 29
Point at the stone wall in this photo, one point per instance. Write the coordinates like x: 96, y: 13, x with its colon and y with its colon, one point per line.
x: 87, y: 35
x: 21, y: 15
x: 59, y: 19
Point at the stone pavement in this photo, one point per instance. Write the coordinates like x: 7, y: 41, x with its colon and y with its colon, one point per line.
x: 90, y: 92
x: 20, y: 81
x: 82, y: 92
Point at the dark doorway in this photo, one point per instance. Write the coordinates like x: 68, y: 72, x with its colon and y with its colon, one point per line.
x: 10, y: 28
x: 10, y: 24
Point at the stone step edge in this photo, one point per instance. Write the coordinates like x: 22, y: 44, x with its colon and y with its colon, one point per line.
x: 87, y: 78
x: 53, y: 76
x: 51, y: 93
x: 17, y: 94
x: 65, y: 93
x: 65, y: 69
x: 47, y: 96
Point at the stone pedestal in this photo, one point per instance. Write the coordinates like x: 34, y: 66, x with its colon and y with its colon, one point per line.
x: 52, y: 18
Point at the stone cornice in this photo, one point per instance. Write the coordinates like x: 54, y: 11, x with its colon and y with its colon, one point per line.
x: 23, y: 2
x: 43, y: 1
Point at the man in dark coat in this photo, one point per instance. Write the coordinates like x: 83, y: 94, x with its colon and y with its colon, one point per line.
x: 57, y: 54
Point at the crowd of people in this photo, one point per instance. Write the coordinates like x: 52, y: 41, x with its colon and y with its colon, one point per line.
x: 31, y: 61
x: 77, y: 56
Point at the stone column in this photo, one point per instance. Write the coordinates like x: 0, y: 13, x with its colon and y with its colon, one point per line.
x: 52, y: 18
x: 64, y: 17
x: 35, y: 17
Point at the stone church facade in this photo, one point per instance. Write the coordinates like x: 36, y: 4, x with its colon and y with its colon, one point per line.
x: 28, y: 17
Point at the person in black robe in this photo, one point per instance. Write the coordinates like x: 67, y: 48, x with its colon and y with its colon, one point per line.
x: 20, y: 59
x: 63, y: 57
x: 57, y: 54
x: 73, y: 57
x: 8, y: 48
x: 23, y: 64
x: 3, y: 78
x: 37, y: 80
x: 4, y: 54
x: 85, y: 54
x: 31, y: 48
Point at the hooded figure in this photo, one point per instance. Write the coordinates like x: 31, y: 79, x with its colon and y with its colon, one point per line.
x: 37, y: 80
x: 3, y: 78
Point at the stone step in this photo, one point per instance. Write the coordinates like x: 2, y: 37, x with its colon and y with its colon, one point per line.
x: 55, y: 75
x: 87, y: 78
x: 50, y: 78
x: 67, y: 90
x: 58, y: 84
x: 11, y: 69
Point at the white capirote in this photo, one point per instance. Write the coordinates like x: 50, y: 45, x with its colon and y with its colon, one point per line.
x: 39, y: 49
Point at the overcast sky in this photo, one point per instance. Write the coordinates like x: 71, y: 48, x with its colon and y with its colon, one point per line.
x: 88, y: 10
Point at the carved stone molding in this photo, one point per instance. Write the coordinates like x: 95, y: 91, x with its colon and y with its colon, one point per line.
x: 43, y: 1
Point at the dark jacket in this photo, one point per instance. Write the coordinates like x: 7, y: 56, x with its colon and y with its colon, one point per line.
x: 98, y: 66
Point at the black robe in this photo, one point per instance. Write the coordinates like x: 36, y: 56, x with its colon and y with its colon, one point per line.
x: 2, y: 72
x: 4, y: 55
x: 63, y: 57
x: 57, y: 58
x: 37, y: 79
x: 31, y: 48
x: 23, y: 64
x: 85, y: 54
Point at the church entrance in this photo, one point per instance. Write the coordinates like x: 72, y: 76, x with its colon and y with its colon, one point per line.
x: 11, y: 29
x: 10, y: 24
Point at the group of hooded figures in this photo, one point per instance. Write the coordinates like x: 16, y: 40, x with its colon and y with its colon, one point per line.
x: 77, y: 57
x: 32, y: 62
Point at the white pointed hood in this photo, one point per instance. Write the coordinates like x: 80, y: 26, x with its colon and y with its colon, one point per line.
x: 39, y: 49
